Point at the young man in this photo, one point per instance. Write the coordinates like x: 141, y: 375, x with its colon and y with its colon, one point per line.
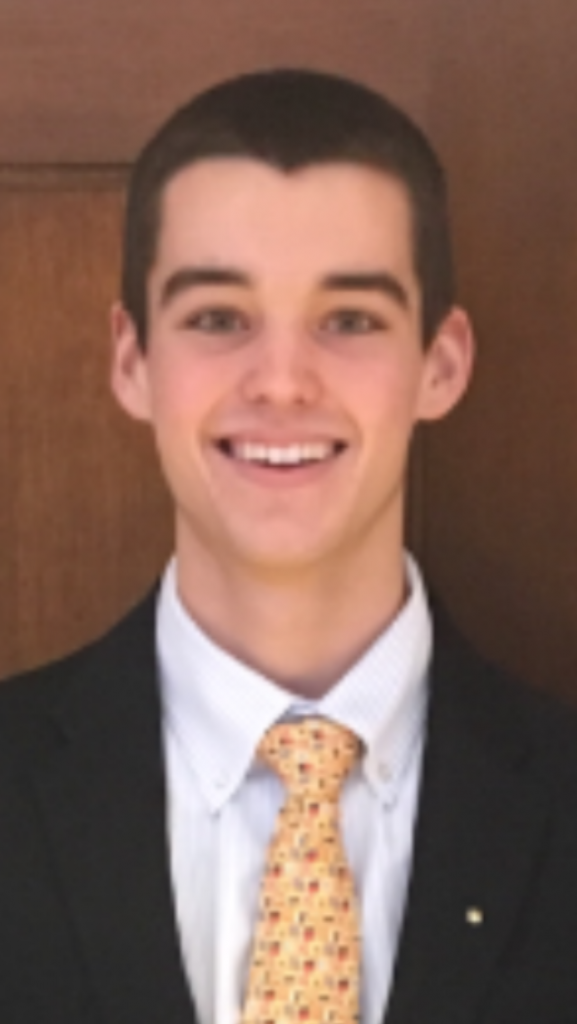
x: 287, y: 319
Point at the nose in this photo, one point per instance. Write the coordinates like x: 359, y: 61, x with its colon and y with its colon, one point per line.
x: 284, y: 371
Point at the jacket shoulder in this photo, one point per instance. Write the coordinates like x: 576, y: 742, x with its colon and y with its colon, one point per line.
x: 494, y: 703
x: 30, y: 701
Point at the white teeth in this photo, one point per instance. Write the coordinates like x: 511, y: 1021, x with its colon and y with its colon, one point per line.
x: 274, y: 455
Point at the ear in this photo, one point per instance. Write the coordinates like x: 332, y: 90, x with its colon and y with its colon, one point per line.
x: 448, y: 366
x: 129, y: 368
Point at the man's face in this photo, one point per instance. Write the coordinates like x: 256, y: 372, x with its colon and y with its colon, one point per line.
x: 284, y: 369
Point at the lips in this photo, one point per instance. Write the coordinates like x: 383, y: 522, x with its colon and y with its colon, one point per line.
x: 287, y: 456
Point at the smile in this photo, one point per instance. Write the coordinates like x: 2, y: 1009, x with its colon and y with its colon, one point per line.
x: 282, y: 456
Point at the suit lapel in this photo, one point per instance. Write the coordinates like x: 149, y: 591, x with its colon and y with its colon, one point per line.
x: 481, y: 829
x: 480, y: 832
x: 102, y: 799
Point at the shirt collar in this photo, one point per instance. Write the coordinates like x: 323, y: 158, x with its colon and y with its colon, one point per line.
x: 217, y: 709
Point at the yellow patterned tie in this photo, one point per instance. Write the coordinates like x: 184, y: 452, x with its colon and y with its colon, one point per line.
x: 306, y: 956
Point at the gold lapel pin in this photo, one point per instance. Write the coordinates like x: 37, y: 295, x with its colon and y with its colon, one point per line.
x: 474, y: 916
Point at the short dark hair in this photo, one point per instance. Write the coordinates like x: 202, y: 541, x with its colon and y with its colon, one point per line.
x: 291, y: 119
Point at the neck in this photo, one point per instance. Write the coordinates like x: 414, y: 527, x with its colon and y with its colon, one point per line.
x: 303, y: 633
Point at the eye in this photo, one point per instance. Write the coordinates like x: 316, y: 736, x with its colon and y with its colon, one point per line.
x: 352, y: 321
x: 217, y: 320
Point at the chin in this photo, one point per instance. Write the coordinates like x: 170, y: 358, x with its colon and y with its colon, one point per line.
x: 281, y: 557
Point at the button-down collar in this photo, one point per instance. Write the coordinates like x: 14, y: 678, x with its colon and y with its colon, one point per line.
x: 217, y: 708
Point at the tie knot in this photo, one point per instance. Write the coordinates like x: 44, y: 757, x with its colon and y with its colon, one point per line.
x: 311, y: 755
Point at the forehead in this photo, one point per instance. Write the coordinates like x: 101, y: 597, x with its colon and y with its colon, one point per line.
x: 226, y: 192
x: 245, y: 211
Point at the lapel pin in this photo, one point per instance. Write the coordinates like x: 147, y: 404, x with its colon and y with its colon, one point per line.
x: 474, y: 916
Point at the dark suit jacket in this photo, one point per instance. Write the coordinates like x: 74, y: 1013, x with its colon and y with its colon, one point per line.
x: 87, y: 930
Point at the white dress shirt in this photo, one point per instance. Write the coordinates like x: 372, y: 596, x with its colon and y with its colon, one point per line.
x: 222, y: 805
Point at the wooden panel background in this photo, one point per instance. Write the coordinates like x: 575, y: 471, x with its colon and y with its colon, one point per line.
x: 500, y: 523
x: 84, y: 523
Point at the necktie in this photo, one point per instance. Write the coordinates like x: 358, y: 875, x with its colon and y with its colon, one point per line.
x: 306, y: 955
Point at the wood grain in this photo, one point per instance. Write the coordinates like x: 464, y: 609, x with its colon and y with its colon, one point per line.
x: 501, y: 477
x: 100, y: 76
x: 79, y: 485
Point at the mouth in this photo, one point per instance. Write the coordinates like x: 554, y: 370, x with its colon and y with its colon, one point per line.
x: 284, y: 457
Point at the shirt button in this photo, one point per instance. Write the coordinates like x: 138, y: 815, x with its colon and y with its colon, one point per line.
x: 383, y: 771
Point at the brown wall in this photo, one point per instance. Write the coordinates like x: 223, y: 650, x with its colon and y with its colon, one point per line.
x: 84, y: 524
x: 79, y: 484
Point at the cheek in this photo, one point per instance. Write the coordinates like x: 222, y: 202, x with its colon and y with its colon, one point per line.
x: 388, y: 397
x: 179, y: 392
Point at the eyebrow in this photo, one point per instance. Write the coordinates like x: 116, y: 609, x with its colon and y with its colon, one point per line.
x: 197, y: 277
x: 379, y: 281
x: 187, y: 278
